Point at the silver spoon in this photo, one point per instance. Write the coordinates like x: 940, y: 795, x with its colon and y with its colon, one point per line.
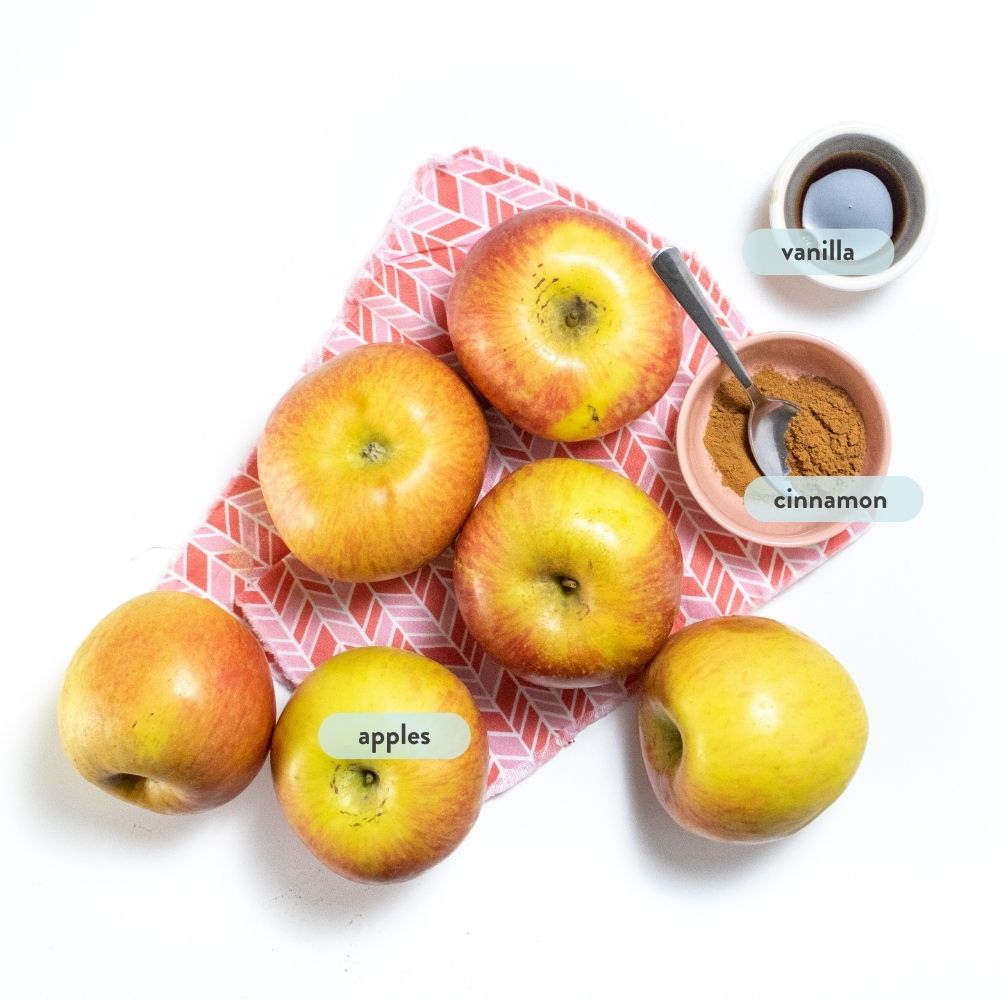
x: 769, y: 418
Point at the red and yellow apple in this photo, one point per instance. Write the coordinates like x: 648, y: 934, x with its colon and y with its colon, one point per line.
x: 558, y: 319
x: 568, y: 574
x: 168, y: 704
x: 370, y: 463
x: 749, y: 729
x: 375, y: 820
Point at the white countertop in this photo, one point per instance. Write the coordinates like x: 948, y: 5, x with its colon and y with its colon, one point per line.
x: 184, y: 196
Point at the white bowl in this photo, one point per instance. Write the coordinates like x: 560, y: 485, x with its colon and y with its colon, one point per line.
x: 876, y: 142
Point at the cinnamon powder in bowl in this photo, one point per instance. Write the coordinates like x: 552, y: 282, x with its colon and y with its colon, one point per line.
x: 842, y: 428
x: 825, y: 438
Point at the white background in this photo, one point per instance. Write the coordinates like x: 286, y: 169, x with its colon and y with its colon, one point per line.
x: 185, y: 192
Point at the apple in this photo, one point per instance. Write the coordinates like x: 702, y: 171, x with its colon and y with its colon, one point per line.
x: 376, y: 820
x: 168, y: 704
x: 559, y: 320
x: 568, y: 574
x: 370, y: 463
x: 749, y: 729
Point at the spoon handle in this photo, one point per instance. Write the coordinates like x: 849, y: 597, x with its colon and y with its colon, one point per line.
x: 676, y: 275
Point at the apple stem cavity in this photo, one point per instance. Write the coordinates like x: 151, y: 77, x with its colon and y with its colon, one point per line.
x: 672, y: 742
x: 124, y: 783
x: 374, y: 452
x: 576, y: 313
x: 368, y: 775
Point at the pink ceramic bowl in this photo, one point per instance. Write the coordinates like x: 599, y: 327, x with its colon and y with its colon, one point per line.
x: 792, y: 354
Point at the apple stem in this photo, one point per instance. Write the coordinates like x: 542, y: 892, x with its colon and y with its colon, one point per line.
x: 575, y: 313
x: 374, y: 452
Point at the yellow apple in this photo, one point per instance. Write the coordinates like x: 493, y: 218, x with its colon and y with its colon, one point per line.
x: 568, y: 574
x: 560, y: 321
x: 370, y: 463
x: 376, y: 820
x: 748, y: 728
x: 168, y: 704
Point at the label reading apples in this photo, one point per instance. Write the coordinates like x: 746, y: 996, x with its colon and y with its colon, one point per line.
x: 383, y: 735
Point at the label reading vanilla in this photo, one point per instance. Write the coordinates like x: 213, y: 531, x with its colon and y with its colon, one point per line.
x: 818, y: 251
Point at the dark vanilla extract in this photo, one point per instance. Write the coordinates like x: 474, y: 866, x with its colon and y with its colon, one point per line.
x: 854, y: 190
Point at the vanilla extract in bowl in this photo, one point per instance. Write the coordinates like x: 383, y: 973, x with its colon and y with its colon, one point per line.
x: 856, y: 176
x: 857, y: 181
x: 848, y: 198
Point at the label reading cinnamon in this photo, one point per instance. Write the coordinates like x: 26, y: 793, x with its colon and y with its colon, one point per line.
x: 833, y: 498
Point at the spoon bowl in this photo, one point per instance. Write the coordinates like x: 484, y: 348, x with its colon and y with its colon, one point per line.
x: 766, y: 426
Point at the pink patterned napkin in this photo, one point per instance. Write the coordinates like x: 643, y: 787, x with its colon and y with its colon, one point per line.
x: 236, y: 558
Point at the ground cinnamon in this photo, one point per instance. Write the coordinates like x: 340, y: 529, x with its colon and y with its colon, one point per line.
x: 825, y: 438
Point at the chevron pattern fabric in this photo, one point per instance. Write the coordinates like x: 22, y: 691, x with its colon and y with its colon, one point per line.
x: 236, y: 558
